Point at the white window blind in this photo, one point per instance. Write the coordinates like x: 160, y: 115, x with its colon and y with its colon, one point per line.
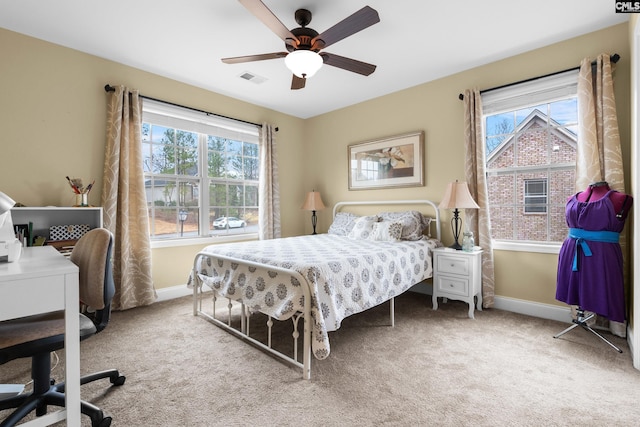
x: 539, y: 91
x: 173, y: 116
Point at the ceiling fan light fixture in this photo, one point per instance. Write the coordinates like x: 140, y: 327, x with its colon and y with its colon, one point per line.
x: 303, y: 63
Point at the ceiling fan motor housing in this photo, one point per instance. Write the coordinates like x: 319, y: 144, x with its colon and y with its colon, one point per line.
x: 305, y: 39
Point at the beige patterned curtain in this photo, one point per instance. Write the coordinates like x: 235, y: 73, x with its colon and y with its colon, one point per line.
x: 124, y: 201
x: 269, y: 190
x: 599, y: 156
x: 478, y: 219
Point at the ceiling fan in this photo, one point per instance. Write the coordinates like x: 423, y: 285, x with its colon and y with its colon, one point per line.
x: 304, y: 44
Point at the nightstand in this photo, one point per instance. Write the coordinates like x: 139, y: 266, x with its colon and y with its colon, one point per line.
x: 457, y: 275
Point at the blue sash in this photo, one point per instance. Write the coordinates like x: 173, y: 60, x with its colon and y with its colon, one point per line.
x: 582, y: 236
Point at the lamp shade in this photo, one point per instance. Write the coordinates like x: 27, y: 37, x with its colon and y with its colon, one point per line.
x: 457, y: 196
x: 313, y: 202
x: 6, y: 203
x: 303, y: 63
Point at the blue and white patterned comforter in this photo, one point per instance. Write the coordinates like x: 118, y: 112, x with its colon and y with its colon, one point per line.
x: 346, y: 276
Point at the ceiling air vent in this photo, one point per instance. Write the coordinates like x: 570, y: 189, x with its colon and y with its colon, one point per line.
x: 252, y: 77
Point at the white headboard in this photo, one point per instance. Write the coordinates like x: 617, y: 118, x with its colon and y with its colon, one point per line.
x: 338, y: 206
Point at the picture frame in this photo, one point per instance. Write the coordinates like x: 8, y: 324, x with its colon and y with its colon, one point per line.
x: 396, y: 161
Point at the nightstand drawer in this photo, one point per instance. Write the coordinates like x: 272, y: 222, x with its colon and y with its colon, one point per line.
x: 453, y: 265
x: 452, y: 286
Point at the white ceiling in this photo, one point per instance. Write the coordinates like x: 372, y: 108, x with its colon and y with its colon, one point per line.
x: 416, y: 41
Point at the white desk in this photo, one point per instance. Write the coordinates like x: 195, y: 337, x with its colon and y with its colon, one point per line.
x: 41, y: 281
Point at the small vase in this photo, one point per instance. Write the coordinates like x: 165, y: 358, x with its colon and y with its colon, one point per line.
x: 468, y: 242
x: 82, y: 200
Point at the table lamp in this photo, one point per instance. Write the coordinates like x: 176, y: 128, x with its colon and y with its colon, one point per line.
x: 10, y: 247
x: 313, y: 203
x: 456, y: 197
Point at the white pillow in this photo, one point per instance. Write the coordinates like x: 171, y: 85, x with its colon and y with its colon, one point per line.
x: 342, y: 223
x: 363, y: 227
x: 386, y: 231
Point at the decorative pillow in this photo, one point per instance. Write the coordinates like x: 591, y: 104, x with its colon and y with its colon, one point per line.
x: 363, y: 227
x: 412, y: 223
x: 342, y: 223
x: 386, y: 231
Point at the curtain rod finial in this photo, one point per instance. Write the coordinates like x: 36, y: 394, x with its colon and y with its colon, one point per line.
x: 109, y: 88
x: 461, y: 97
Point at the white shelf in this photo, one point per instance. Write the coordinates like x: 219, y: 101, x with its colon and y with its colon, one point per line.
x: 44, y: 217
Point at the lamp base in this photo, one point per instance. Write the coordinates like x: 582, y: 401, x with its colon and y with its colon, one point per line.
x: 314, y: 221
x: 456, y: 224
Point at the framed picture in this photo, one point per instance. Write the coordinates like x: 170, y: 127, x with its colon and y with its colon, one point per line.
x: 396, y: 161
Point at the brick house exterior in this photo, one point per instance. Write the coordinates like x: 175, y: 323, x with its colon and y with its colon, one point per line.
x: 539, y: 151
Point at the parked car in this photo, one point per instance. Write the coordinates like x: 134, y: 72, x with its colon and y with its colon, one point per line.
x: 228, y: 222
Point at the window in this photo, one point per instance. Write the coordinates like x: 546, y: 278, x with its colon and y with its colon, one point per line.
x: 535, y: 196
x: 201, y: 173
x: 530, y: 153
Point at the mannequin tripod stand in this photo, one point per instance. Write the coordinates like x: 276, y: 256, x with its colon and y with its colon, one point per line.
x: 581, y: 321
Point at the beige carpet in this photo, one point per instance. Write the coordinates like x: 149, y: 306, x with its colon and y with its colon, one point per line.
x: 433, y: 368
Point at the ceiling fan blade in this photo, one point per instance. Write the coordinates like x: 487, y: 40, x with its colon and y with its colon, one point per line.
x: 360, y: 20
x: 250, y: 58
x: 297, y: 82
x: 347, y: 63
x: 264, y: 14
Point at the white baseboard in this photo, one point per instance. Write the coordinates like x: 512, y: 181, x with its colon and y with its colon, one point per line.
x: 536, y: 309
x: 165, y: 294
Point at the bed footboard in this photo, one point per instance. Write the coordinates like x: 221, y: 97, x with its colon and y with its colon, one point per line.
x: 200, y: 297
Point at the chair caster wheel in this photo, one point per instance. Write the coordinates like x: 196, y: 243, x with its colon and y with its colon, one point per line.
x: 106, y: 422
x: 120, y: 380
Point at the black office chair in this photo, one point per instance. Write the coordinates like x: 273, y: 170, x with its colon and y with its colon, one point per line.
x: 37, y: 336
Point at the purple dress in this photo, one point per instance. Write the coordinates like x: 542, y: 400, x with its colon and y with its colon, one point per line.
x: 598, y: 283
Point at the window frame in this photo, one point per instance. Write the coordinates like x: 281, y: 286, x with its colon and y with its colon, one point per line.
x: 203, y: 125
x: 543, y: 90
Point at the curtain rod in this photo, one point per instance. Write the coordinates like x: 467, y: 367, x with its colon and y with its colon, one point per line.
x: 613, y: 58
x: 109, y: 88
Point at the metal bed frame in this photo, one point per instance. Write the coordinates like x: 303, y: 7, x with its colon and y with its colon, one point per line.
x: 245, y: 312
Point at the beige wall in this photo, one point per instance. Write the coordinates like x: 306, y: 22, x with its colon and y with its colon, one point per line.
x: 52, y: 110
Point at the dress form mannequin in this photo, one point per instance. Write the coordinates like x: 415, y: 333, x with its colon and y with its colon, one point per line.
x: 590, y: 263
x: 598, y: 190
